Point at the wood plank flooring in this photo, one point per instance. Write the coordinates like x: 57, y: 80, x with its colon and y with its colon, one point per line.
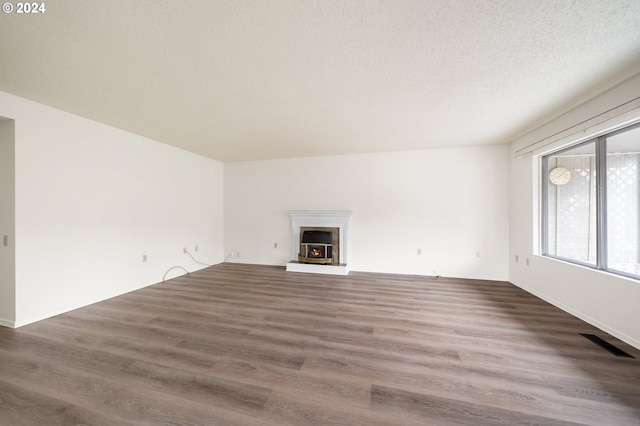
x: 255, y: 345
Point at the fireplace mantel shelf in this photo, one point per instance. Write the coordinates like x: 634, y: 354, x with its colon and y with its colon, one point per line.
x: 321, y: 218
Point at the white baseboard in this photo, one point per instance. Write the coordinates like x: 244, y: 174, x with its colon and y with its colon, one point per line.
x: 88, y: 302
x: 73, y: 307
x: 7, y: 323
x: 604, y: 327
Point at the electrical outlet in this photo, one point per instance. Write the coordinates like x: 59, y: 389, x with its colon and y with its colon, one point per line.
x: 419, y: 252
x: 275, y: 245
x: 184, y: 250
x: 196, y: 248
x: 237, y: 254
x: 477, y: 255
x: 527, y: 261
x: 144, y: 257
x: 517, y: 258
x: 5, y: 240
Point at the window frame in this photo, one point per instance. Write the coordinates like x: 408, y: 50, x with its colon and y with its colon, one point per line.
x: 600, y: 142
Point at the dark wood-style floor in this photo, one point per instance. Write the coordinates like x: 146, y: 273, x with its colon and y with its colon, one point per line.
x: 255, y: 345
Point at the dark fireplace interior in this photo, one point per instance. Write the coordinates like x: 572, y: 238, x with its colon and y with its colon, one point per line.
x: 318, y: 245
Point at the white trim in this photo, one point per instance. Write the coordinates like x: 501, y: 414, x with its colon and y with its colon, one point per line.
x: 6, y: 323
x: 586, y: 318
x: 75, y: 306
x: 614, y: 119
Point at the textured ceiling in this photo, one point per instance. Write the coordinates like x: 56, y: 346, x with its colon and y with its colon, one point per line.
x: 254, y: 79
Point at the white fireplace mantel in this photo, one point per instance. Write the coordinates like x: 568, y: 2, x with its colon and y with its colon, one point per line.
x: 328, y: 219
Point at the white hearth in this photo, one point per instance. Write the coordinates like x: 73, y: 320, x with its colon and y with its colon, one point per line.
x: 320, y: 219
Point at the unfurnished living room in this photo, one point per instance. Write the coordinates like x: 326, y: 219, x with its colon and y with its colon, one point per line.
x: 320, y: 212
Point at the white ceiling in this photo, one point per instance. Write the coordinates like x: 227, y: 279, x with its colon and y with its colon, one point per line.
x: 258, y: 79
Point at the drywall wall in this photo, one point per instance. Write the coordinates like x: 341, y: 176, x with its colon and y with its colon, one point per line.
x: 92, y: 200
x: 604, y: 300
x: 7, y: 223
x: 452, y: 204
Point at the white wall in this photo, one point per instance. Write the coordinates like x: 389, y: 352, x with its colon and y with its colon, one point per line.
x: 92, y: 199
x: 604, y: 300
x: 450, y: 203
x: 7, y: 222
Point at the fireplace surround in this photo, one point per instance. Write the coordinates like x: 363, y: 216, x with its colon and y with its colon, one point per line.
x: 324, y: 249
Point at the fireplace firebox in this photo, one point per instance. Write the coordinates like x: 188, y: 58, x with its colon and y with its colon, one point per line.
x: 317, y: 246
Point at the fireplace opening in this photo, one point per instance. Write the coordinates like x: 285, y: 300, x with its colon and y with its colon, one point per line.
x: 316, y: 247
x: 318, y: 251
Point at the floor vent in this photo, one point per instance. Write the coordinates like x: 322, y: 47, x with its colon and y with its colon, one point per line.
x: 606, y: 345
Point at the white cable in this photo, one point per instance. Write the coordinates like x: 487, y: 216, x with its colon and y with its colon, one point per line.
x: 194, y: 259
x: 174, y: 267
x: 197, y: 261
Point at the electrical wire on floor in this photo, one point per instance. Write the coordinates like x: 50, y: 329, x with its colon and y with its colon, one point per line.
x: 194, y: 259
x: 174, y: 267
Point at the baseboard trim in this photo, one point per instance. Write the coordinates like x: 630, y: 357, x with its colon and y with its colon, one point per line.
x: 50, y: 314
x: 7, y: 323
x: 576, y: 313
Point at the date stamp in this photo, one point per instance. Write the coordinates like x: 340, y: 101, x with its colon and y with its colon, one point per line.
x: 23, y: 8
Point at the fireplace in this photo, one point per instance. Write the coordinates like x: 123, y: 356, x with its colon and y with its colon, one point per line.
x: 319, y: 242
x: 319, y: 245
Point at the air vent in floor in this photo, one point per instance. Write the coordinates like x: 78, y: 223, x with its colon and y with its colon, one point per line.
x: 606, y: 345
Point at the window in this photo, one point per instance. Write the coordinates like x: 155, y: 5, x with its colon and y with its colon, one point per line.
x: 590, y: 203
